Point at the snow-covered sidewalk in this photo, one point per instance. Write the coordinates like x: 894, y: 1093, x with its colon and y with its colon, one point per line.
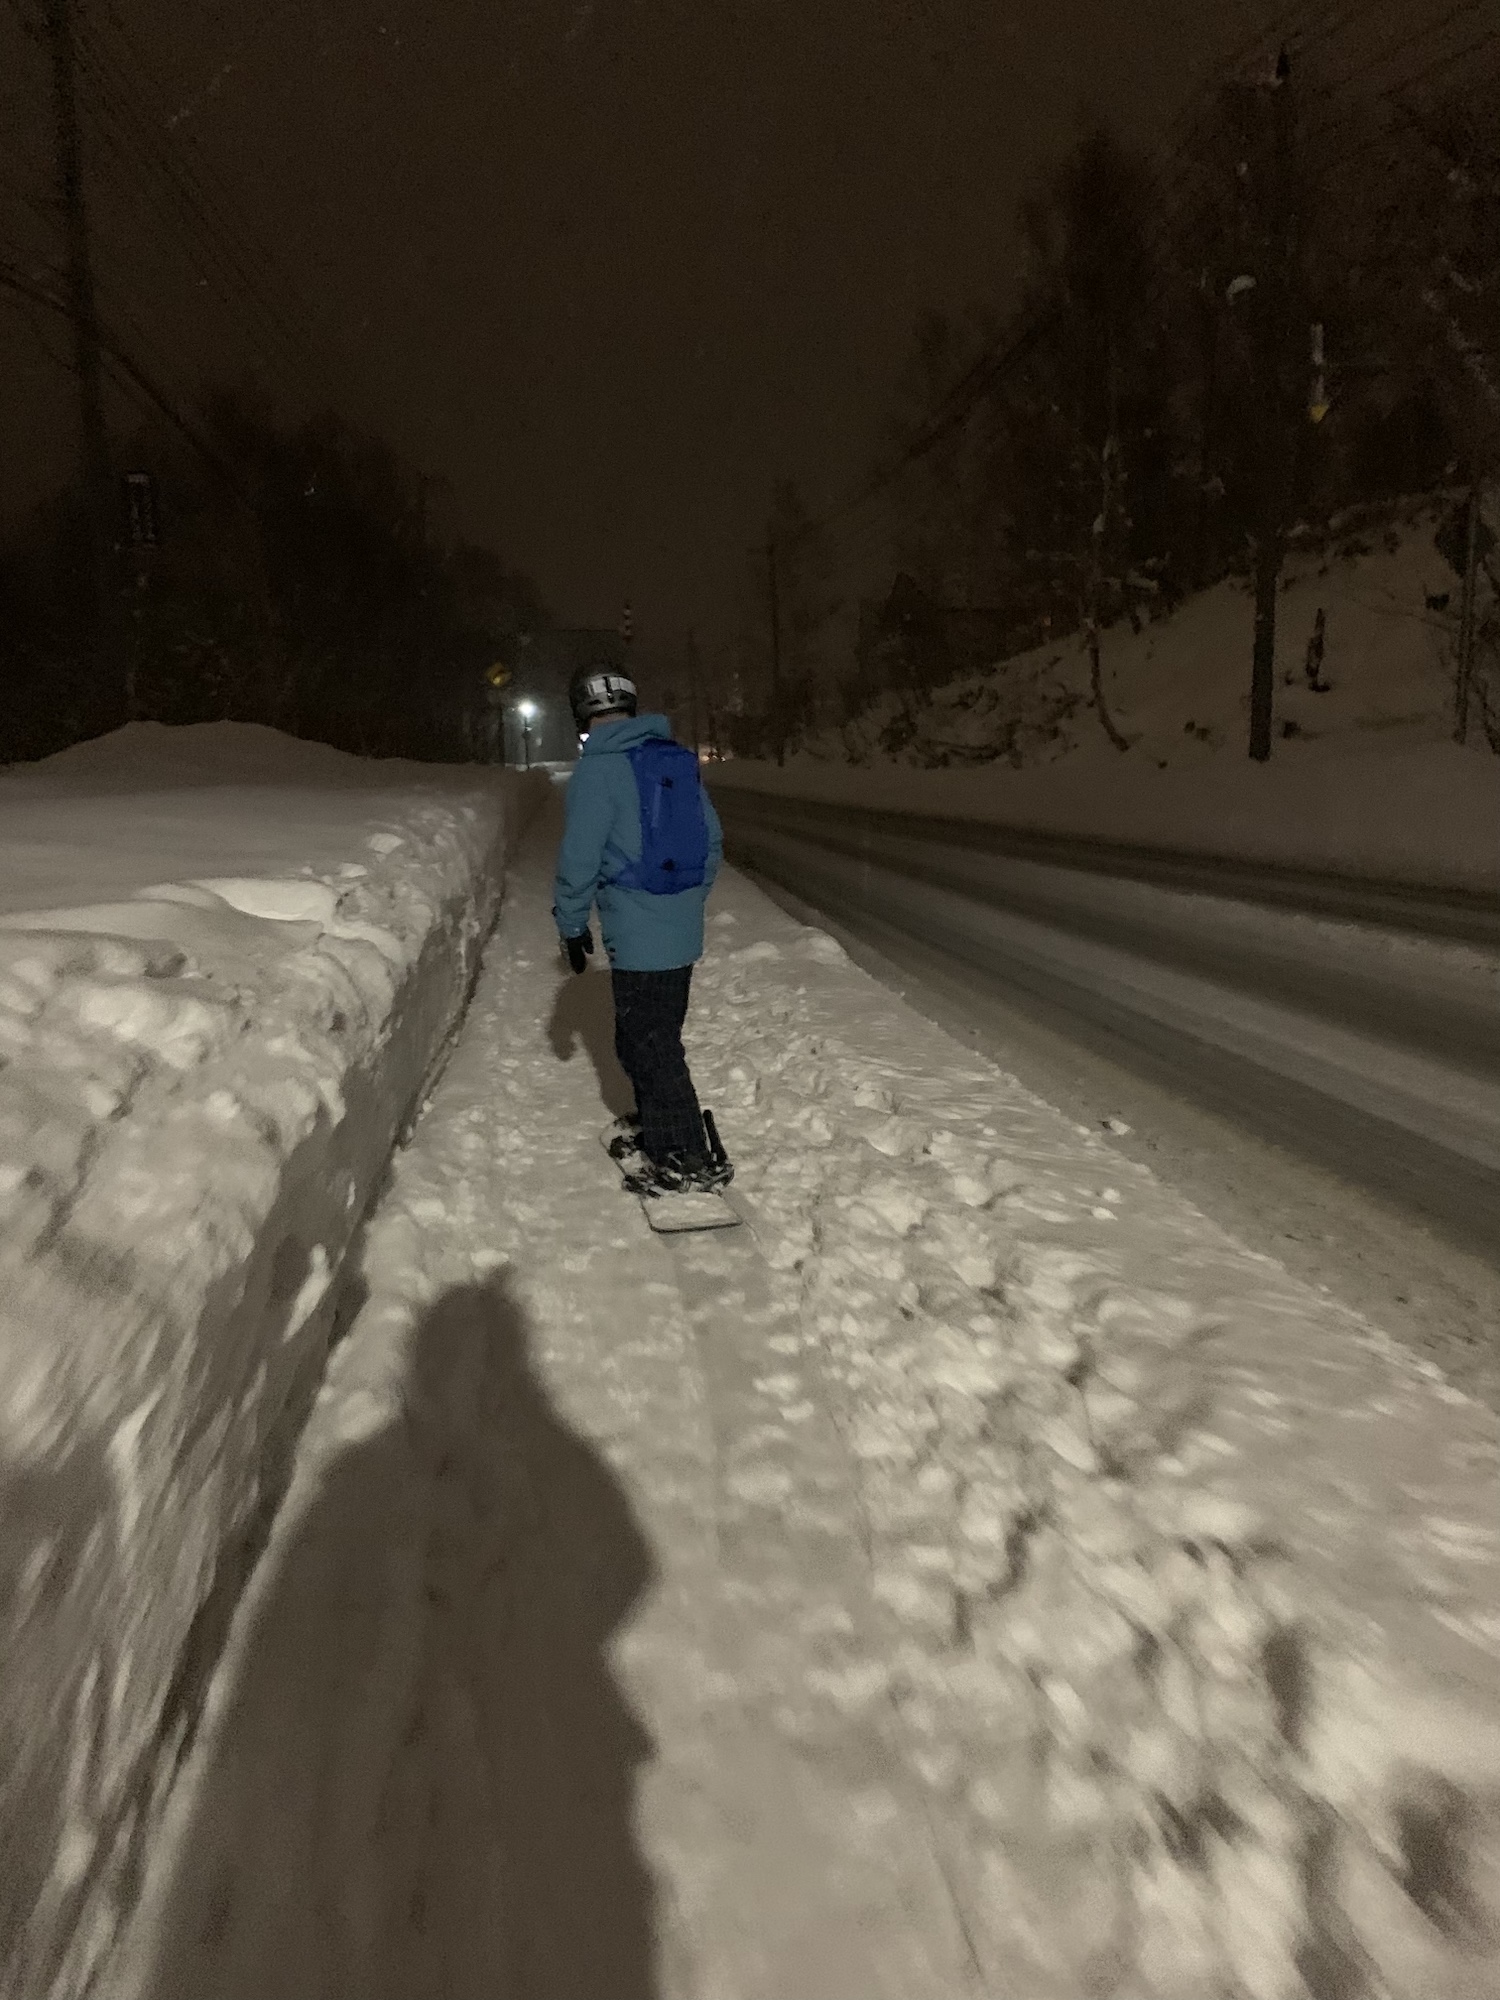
x: 987, y: 1579
x: 228, y: 965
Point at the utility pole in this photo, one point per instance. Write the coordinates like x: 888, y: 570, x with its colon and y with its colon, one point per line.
x: 1101, y: 540
x: 1466, y: 619
x: 1277, y: 265
x: 1208, y: 390
x: 83, y: 312
x: 692, y: 671
x: 777, y: 731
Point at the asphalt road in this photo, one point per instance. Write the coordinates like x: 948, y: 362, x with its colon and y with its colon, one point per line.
x: 1315, y: 1060
x: 1414, y: 907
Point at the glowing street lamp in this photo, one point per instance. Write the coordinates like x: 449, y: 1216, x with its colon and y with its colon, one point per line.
x: 527, y: 712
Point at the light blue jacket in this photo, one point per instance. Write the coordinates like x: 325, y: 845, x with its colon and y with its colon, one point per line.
x: 602, y: 824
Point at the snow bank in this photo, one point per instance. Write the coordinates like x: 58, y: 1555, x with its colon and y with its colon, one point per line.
x: 1368, y: 783
x: 1179, y: 687
x: 1428, y: 815
x: 336, y: 1812
x: 228, y: 965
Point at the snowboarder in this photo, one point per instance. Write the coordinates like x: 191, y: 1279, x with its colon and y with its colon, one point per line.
x: 642, y: 840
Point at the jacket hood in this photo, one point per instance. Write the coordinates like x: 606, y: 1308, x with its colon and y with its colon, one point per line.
x: 604, y: 739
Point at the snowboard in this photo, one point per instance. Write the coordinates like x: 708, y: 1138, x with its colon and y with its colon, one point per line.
x: 677, y: 1214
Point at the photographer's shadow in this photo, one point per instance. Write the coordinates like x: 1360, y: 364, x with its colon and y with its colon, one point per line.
x: 583, y: 1012
x: 419, y: 1781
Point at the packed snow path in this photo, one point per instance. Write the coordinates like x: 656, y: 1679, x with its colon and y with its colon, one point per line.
x: 986, y: 1579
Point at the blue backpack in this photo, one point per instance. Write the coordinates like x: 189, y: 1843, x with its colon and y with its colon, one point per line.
x: 674, y: 832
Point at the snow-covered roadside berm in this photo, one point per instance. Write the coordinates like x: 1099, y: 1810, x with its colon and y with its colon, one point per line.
x: 228, y: 964
x: 990, y: 1581
x: 1426, y: 813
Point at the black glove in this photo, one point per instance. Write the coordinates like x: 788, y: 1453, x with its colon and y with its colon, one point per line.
x: 579, y: 949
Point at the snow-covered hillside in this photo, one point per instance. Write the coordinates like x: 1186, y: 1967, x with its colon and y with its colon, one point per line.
x: 1179, y: 689
x: 1364, y: 774
x: 228, y: 964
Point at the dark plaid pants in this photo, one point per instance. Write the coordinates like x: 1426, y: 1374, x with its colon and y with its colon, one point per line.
x: 650, y: 1008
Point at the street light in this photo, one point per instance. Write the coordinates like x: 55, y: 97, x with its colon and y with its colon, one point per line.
x: 527, y: 711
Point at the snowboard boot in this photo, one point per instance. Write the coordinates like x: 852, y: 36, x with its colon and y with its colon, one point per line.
x: 719, y: 1161
x: 625, y: 1144
x: 677, y: 1174
x: 683, y: 1173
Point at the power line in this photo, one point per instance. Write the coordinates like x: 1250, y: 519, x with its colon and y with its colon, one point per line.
x: 219, y: 249
x: 15, y: 280
x: 1172, y: 171
x: 27, y: 198
x: 1422, y: 35
x: 219, y: 204
x: 128, y: 136
x: 997, y: 361
x: 1182, y: 175
x: 992, y: 367
x: 23, y: 308
x: 1390, y: 133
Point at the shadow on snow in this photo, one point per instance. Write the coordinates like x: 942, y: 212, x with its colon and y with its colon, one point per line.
x: 421, y: 1778
x: 584, y: 1012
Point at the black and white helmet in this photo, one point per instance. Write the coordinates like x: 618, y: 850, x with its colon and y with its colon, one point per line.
x: 601, y: 691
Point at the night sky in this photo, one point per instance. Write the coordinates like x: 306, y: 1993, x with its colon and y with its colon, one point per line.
x: 605, y: 266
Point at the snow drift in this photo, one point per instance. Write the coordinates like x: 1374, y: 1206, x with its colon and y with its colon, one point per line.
x: 228, y: 966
